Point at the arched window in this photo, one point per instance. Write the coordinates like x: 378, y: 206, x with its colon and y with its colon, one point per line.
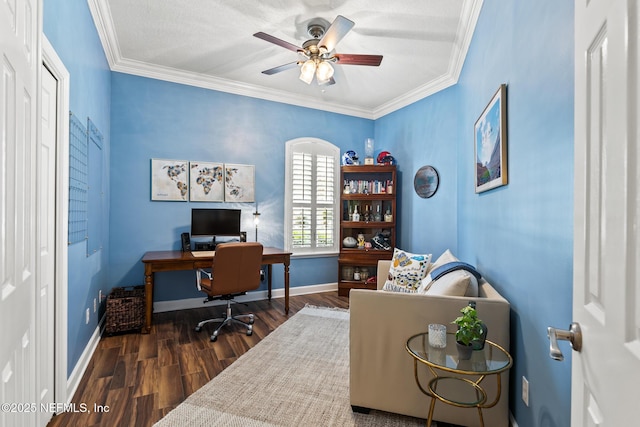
x: 311, y: 197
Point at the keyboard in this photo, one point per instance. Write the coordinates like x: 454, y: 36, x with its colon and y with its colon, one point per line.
x: 203, y: 254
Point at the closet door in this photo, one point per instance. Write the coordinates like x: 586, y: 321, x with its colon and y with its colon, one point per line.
x: 19, y: 67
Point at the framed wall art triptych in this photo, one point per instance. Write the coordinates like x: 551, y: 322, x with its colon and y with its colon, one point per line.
x: 195, y: 181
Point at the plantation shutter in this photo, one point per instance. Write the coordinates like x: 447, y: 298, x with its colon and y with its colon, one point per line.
x: 312, y: 207
x: 302, y: 183
x: 324, y: 201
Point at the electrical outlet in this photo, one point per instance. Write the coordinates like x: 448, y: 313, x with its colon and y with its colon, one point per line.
x: 525, y: 390
x: 88, y: 316
x: 95, y: 305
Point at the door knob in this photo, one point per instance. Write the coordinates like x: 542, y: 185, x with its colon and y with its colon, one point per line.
x: 573, y: 335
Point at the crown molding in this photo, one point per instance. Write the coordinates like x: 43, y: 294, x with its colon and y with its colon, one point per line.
x: 102, y: 18
x: 229, y: 86
x: 104, y: 25
x: 409, y: 98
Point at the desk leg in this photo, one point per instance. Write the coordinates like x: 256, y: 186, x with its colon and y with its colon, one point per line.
x: 286, y: 286
x: 148, y: 292
x: 269, y: 269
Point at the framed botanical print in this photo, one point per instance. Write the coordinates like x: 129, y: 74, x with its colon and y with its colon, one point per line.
x: 491, y: 143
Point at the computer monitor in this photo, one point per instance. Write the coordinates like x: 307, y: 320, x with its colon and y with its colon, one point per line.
x: 215, y: 222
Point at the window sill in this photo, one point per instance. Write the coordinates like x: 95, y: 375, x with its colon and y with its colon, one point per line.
x: 315, y: 255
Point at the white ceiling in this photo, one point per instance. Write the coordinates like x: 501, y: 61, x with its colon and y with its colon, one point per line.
x: 210, y: 43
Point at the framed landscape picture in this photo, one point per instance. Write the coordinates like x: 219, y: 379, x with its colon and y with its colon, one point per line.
x: 207, y: 182
x: 239, y: 183
x: 491, y: 143
x: 169, y: 180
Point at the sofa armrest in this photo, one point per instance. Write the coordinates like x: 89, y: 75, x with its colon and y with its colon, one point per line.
x: 383, y: 272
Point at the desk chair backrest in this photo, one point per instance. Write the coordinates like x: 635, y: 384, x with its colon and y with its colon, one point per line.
x: 236, y: 268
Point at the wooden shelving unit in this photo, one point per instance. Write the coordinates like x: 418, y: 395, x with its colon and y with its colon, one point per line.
x: 372, y: 189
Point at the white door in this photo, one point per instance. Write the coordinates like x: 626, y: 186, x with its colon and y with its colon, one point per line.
x: 46, y: 172
x: 19, y: 67
x: 606, y: 298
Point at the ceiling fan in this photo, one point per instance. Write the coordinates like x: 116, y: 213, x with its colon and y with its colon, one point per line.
x: 318, y: 52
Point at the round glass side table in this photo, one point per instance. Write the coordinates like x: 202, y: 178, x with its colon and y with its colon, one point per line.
x: 454, y: 389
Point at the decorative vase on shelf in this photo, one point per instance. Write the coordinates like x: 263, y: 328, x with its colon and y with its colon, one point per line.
x: 356, y: 215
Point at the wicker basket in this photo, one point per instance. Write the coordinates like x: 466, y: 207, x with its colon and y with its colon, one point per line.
x: 125, y: 309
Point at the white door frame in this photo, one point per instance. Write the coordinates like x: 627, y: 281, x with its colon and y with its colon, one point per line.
x: 51, y: 60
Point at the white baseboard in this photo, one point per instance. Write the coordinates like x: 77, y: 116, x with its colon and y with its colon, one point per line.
x: 185, y: 304
x: 81, y: 367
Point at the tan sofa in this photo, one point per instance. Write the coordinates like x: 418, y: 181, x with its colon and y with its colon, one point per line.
x: 381, y: 370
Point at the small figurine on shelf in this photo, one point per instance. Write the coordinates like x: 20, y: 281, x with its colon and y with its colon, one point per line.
x: 361, y: 241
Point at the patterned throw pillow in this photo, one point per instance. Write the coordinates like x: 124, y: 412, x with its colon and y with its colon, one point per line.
x: 407, y: 271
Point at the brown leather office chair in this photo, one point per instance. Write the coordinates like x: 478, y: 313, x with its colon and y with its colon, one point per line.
x: 235, y: 270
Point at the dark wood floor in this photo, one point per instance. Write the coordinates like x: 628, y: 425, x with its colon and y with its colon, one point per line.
x: 140, y: 378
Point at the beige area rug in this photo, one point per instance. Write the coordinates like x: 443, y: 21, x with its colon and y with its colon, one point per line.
x: 298, y: 375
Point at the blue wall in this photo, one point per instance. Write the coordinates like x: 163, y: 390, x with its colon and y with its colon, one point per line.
x: 156, y: 119
x: 69, y: 28
x: 425, y: 133
x: 519, y: 236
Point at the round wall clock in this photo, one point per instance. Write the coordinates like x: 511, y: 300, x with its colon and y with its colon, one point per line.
x: 426, y: 181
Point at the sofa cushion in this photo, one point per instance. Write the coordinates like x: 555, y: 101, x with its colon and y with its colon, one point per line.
x: 445, y: 258
x: 458, y: 283
x: 407, y: 271
x: 444, y: 279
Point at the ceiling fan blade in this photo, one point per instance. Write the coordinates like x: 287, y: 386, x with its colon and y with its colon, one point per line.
x: 280, y: 68
x: 275, y: 40
x: 338, y: 29
x: 355, y: 59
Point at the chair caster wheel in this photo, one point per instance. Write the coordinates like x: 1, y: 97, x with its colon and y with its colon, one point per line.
x: 249, y: 331
x: 198, y: 328
x: 251, y: 320
x: 214, y: 338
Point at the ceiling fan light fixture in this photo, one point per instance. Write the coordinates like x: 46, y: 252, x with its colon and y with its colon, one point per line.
x: 324, y: 72
x: 307, y: 71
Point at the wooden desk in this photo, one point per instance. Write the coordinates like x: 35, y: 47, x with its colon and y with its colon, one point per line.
x: 177, y: 260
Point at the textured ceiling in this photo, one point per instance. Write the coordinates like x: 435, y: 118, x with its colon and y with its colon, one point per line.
x: 210, y: 43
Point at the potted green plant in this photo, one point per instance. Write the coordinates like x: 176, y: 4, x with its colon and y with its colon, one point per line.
x: 471, y: 332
